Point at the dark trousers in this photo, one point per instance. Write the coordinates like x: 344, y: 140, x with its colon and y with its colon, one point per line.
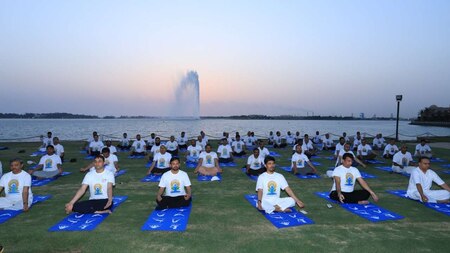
x: 351, y: 197
x: 256, y: 172
x: 282, y: 145
x: 329, y: 148
x: 138, y: 153
x: 388, y: 156
x: 95, y: 153
x: 225, y: 160
x: 160, y: 171
x: 172, y: 202
x: 182, y: 146
x: 90, y: 206
x: 242, y: 153
x: 173, y: 152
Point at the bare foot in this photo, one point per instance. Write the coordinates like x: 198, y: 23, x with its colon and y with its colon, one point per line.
x: 363, y: 202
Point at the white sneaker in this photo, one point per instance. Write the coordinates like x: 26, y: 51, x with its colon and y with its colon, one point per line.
x: 215, y: 178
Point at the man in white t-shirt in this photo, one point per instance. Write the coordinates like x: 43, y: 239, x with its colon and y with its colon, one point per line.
x: 176, y: 187
x: 138, y: 148
x: 238, y: 147
x: 357, y: 141
x: 420, y: 182
x: 423, y: 149
x: 160, y: 163
x: 378, y: 142
x: 339, y: 146
x: 328, y: 143
x: 151, y: 141
x: 290, y: 140
x: 124, y: 143
x: 227, y: 136
x: 59, y: 149
x: 278, y: 141
x: 172, y: 146
x: 347, y: 150
x: 202, y: 142
x: 317, y: 141
x: 208, y: 163
x: 112, y: 149
x: 365, y: 152
x: 111, y: 162
x: 298, y: 161
x: 47, y: 141
x: 307, y: 147
x: 270, y: 138
x: 346, y: 138
x: 390, y: 149
x: 17, y: 186
x: 345, y: 177
x: 255, y: 164
x: 95, y: 146
x: 204, y: 138
x: 248, y: 140
x: 155, y: 148
x: 263, y: 151
x: 225, y: 152
x: 269, y: 186
x: 49, y: 166
x: 402, y: 162
x: 100, y: 183
x: 193, y: 151
x: 182, y: 141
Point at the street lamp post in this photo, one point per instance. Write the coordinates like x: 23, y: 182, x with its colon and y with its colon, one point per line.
x: 399, y: 98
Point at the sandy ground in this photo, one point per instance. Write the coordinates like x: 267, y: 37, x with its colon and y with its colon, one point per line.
x: 445, y: 145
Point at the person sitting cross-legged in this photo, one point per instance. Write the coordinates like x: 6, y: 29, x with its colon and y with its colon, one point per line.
x: 402, y: 161
x: 225, y: 152
x: 345, y: 177
x: 49, y: 165
x: 255, y: 164
x: 298, y: 163
x: 176, y: 187
x: 17, y: 186
x: 160, y: 162
x: 100, y: 183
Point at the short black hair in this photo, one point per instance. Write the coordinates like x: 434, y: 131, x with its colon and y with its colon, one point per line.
x: 347, y: 155
x: 100, y: 156
x: 50, y: 146
x: 268, y: 159
x: 105, y: 150
x: 16, y: 160
x: 424, y: 157
x: 174, y: 159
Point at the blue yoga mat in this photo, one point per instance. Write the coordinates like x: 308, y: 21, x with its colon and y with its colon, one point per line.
x: 281, y: 220
x: 175, y: 219
x: 89, y: 157
x: 274, y: 154
x: 203, y: 178
x: 289, y: 169
x: 136, y: 156
x: 6, y: 215
x: 85, y: 222
x: 3, y: 148
x: 389, y: 169
x: 230, y: 164
x: 437, y: 160
x: 191, y: 165
x: 446, y: 171
x: 331, y: 158
x: 370, y: 212
x: 254, y: 178
x: 441, y: 207
x: 41, y: 182
x: 374, y: 162
x: 38, y: 153
x: 445, y: 166
x: 149, y: 164
x: 151, y: 178
x: 120, y: 173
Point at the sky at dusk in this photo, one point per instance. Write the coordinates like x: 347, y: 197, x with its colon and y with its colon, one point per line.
x: 252, y: 57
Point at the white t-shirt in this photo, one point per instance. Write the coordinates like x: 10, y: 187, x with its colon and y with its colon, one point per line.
x: 307, y: 146
x: 125, y: 142
x: 327, y: 142
x: 263, y: 153
x: 109, y: 162
x: 348, y: 178
x: 248, y: 140
x: 162, y: 161
x: 96, y: 145
x: 182, y: 140
x: 390, y: 149
x: 174, y: 183
x: 271, y: 184
x: 59, y: 149
x: 224, y: 151
x: 13, y: 185
x: 299, y: 160
x: 201, y: 143
x: 112, y: 149
x: 172, y: 145
x: 339, y: 146
x: 155, y: 149
x: 151, y: 141
x: 139, y: 146
x: 277, y: 139
x: 316, y: 139
x: 377, y: 142
x: 402, y: 159
x: 50, y: 162
x: 356, y: 142
x: 98, y: 183
x: 237, y: 146
x: 364, y: 149
x: 47, y: 141
x: 290, y: 139
x: 422, y: 149
x: 194, y: 151
x: 208, y: 159
x: 425, y: 179
x: 255, y: 163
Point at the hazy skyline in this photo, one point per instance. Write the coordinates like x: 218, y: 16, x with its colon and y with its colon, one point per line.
x: 252, y: 57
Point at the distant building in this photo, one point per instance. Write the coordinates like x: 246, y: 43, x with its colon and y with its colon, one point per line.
x: 434, y: 114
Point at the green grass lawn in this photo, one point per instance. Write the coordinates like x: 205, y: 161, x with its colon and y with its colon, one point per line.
x: 221, y: 219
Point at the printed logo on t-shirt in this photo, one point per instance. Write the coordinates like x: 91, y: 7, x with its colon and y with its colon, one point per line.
x: 404, y: 161
x: 364, y: 150
x: 208, y: 159
x: 175, y: 186
x: 194, y: 153
x: 238, y: 146
x: 224, y: 151
x: 299, y: 162
x: 138, y: 145
x: 13, y: 186
x: 48, y: 163
x: 162, y: 162
x: 98, y: 189
x: 349, y: 179
x: 256, y: 164
x: 271, y: 188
